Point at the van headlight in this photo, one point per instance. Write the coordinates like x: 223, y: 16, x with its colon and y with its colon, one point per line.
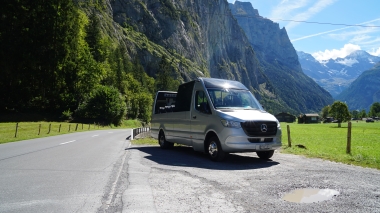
x: 232, y: 124
x: 278, y: 124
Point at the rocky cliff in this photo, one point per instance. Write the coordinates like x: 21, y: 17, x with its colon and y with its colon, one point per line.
x: 203, y: 38
x: 200, y: 37
x: 279, y: 60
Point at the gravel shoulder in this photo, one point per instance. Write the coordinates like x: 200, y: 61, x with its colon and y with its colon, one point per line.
x: 181, y: 180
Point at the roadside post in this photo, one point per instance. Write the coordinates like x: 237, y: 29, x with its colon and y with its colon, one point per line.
x: 348, y: 149
x: 289, y: 138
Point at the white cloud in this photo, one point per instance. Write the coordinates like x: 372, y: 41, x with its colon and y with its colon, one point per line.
x: 344, y: 35
x: 334, y: 53
x: 316, y: 8
x: 375, y: 52
x: 286, y: 8
x: 299, y: 10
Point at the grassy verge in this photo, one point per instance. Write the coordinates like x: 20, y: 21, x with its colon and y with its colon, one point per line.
x: 145, y: 141
x: 329, y: 142
x: 30, y: 130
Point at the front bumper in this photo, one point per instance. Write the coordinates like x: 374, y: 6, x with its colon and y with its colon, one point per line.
x: 244, y: 143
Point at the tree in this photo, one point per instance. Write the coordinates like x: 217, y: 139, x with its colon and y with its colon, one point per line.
x: 362, y: 114
x: 36, y: 40
x: 105, y: 104
x: 355, y: 114
x: 164, y: 80
x: 339, y: 111
x: 94, y: 37
x: 325, y: 111
x: 375, y: 109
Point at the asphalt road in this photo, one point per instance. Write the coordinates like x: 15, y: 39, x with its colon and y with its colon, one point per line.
x: 180, y: 180
x: 69, y: 173
x: 100, y: 172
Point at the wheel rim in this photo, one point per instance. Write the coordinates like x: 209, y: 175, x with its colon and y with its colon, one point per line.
x: 213, y: 149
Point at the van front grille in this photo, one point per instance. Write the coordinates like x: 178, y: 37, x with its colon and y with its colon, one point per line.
x: 259, y: 128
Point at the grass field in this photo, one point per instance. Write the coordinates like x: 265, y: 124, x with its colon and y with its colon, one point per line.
x: 30, y: 130
x: 327, y: 141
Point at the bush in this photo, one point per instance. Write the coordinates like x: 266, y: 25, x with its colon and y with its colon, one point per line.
x: 105, y: 104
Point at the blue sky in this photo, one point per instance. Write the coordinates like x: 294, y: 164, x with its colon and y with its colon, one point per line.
x: 325, y: 41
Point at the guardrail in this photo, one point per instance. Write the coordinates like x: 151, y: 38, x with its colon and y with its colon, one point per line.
x: 137, y: 131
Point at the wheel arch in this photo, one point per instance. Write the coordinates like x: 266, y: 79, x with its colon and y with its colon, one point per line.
x: 208, y: 136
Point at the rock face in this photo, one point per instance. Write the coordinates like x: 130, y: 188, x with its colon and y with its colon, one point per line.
x: 271, y: 43
x: 336, y: 75
x: 279, y: 60
x: 202, y: 32
x: 203, y: 38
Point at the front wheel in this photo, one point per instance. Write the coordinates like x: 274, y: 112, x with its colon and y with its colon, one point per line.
x: 163, y: 143
x: 214, y: 149
x: 265, y: 154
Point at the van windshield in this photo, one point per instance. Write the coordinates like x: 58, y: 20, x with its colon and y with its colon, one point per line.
x: 223, y: 98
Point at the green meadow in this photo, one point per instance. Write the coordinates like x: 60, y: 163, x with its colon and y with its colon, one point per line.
x: 30, y: 130
x: 329, y: 142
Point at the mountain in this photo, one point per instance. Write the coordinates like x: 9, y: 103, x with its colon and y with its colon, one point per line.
x: 336, y: 75
x: 198, y: 37
x: 279, y: 60
x: 204, y: 38
x: 363, y: 91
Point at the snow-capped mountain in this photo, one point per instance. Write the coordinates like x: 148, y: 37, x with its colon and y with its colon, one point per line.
x: 336, y: 75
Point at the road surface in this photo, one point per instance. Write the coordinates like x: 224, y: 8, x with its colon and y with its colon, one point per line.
x: 75, y: 172
x: 100, y: 171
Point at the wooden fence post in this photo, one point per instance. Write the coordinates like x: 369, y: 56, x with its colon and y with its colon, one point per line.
x: 76, y: 128
x: 69, y: 127
x: 16, y: 130
x: 59, y: 129
x: 39, y: 129
x: 49, y: 128
x: 348, y: 149
x: 289, y: 138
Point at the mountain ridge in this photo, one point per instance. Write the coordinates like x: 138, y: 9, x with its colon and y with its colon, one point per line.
x: 363, y: 91
x: 335, y: 75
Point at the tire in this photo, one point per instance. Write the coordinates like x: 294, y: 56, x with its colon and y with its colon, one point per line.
x: 265, y: 154
x: 163, y: 143
x: 214, y: 149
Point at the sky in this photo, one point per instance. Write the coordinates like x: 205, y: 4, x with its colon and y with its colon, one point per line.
x: 334, y: 36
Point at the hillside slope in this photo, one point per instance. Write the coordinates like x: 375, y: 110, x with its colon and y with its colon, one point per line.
x: 364, y: 91
x: 202, y: 38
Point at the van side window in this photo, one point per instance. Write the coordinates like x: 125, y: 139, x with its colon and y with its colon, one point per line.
x: 184, y: 93
x: 201, y: 103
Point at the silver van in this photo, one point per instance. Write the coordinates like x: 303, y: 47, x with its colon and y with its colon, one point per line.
x: 214, y: 116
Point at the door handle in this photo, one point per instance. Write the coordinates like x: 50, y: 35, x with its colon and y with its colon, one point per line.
x: 194, y: 117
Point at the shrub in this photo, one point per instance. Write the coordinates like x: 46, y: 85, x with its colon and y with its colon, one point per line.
x: 103, y: 103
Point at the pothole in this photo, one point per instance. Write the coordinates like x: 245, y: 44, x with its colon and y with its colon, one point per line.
x: 310, y: 195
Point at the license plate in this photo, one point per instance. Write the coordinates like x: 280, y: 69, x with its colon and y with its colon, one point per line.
x: 264, y: 146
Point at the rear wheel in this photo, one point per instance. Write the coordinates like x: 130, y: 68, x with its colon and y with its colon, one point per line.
x: 214, y: 149
x: 265, y: 154
x: 163, y: 143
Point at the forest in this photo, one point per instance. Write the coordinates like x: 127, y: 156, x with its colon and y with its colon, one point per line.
x: 56, y: 59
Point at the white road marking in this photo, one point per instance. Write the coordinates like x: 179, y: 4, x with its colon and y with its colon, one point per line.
x: 66, y: 142
x: 95, y: 135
